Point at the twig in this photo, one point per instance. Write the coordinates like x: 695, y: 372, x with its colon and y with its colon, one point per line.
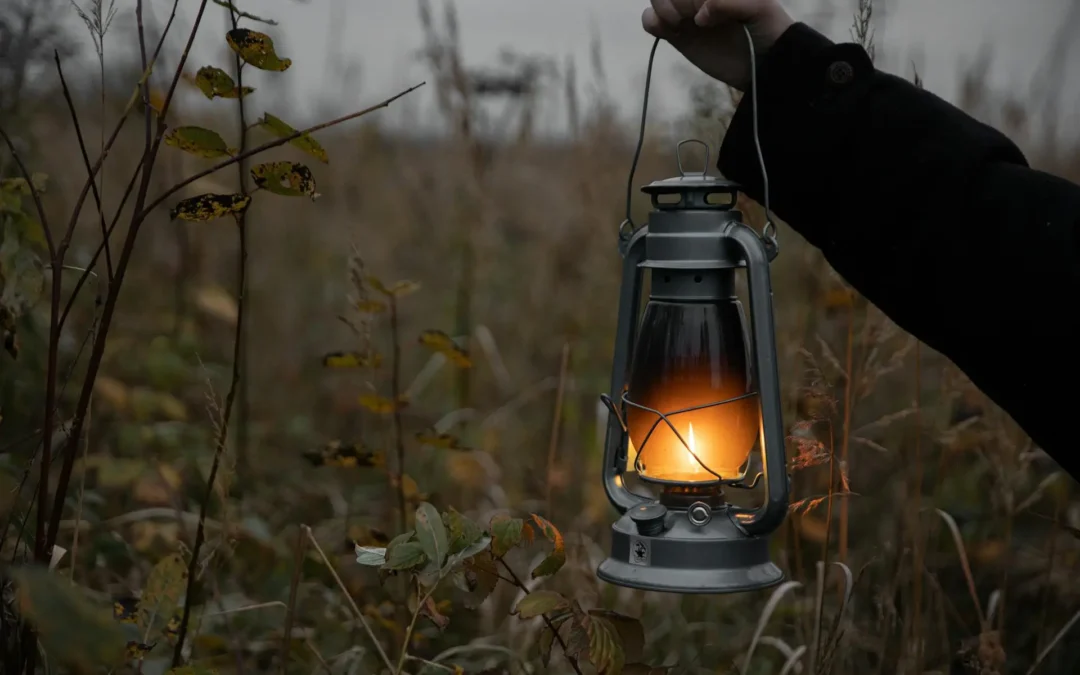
x: 86, y: 161
x: 219, y: 448
x: 294, y: 586
x: 33, y: 192
x: 412, y: 626
x: 551, y: 626
x: 399, y: 438
x: 431, y: 663
x: 1053, y: 643
x: 272, y: 144
x: 348, y: 597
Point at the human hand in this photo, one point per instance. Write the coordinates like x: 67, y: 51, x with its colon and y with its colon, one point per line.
x: 709, y: 33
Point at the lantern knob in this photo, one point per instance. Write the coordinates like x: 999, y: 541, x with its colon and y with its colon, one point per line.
x: 649, y: 518
x: 699, y: 514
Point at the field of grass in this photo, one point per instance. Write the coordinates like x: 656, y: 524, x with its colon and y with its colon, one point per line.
x: 927, y: 534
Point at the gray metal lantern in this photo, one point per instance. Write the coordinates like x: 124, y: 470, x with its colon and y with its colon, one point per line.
x: 693, y: 393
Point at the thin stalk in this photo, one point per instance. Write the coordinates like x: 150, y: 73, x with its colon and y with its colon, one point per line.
x: 294, y: 587
x: 219, y: 450
x: 849, y: 402
x: 915, y: 501
x: 553, y: 442
x: 399, y: 437
x: 816, y: 654
x: 550, y: 626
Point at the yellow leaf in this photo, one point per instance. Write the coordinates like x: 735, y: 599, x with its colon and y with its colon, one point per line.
x: 209, y: 206
x: 554, y: 562
x: 352, y: 360
x: 171, y: 408
x: 381, y: 404
x: 199, y: 141
x: 164, y: 588
x: 377, y: 284
x: 345, y: 455
x: 404, y: 287
x: 289, y: 179
x: 215, y: 82
x: 138, y: 650
x: 125, y: 610
x: 256, y: 49
x: 445, y: 345
x: 218, y: 303
x: 370, y: 307
x: 281, y: 129
x: 437, y: 440
x: 114, y: 392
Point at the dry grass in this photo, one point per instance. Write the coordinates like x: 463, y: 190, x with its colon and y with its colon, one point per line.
x: 927, y: 532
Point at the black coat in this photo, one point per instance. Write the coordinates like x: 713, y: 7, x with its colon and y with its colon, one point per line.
x: 933, y: 216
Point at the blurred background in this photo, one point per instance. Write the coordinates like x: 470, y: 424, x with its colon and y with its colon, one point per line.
x: 498, y: 189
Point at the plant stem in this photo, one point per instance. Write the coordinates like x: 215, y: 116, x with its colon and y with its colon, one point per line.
x: 294, y: 586
x: 849, y: 402
x: 219, y: 448
x: 553, y: 441
x: 412, y: 626
x: 551, y: 626
x: 399, y: 438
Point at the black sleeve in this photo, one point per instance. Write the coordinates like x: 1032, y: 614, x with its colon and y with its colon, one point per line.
x: 933, y: 216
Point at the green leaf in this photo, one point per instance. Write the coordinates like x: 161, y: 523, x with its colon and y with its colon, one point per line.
x: 72, y: 632
x: 210, y: 206
x: 257, y: 49
x: 554, y: 562
x: 463, y: 531
x: 630, y: 631
x: 279, y: 128
x: 244, y: 15
x: 199, y: 141
x: 164, y: 588
x: 215, y: 82
x: 289, y: 179
x: 371, y: 556
x: 605, y: 646
x: 540, y: 602
x: 431, y: 533
x: 506, y: 533
x: 406, y: 556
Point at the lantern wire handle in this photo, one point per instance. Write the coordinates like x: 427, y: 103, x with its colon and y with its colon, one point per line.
x: 768, y: 232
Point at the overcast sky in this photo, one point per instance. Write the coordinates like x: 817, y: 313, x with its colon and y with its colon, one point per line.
x: 381, y: 36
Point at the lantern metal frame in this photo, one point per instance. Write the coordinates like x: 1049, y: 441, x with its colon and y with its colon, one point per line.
x: 692, y: 247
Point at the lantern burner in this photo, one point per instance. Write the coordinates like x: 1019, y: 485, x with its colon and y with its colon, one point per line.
x: 685, y: 496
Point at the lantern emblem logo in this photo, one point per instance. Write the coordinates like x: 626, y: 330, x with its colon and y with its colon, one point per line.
x: 639, y: 552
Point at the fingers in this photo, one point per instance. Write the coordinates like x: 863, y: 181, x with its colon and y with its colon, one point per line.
x: 667, y: 12
x: 656, y: 27
x: 713, y: 12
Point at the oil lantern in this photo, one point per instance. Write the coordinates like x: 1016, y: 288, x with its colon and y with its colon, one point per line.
x: 694, y: 392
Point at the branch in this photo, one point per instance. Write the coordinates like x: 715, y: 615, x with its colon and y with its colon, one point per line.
x: 33, y: 192
x: 551, y: 626
x: 86, y: 160
x: 272, y: 144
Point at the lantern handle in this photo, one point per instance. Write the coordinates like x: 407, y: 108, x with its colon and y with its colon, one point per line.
x: 769, y: 516
x: 678, y: 156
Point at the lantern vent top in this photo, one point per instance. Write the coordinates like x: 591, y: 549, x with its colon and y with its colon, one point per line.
x: 692, y: 189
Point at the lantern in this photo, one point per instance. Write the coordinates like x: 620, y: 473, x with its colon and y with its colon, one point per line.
x: 693, y: 393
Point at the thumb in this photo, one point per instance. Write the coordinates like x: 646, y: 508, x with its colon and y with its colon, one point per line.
x: 713, y: 12
x: 655, y: 27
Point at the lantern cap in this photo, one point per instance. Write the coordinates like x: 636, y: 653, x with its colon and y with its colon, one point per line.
x: 695, y: 188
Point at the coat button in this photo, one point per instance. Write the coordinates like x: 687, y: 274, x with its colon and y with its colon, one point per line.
x: 841, y: 72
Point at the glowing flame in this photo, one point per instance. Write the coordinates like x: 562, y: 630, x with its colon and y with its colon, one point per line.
x: 693, y: 465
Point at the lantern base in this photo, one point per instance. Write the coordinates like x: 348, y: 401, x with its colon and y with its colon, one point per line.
x: 686, y: 558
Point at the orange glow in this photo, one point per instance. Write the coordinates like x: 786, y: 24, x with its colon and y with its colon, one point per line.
x: 721, y: 437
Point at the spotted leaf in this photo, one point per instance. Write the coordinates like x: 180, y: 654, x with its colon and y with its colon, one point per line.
x: 216, y: 83
x: 289, y: 179
x: 345, y: 456
x: 256, y: 49
x: 352, y: 360
x: 210, y: 206
x: 199, y: 141
x: 279, y: 128
x: 445, y: 345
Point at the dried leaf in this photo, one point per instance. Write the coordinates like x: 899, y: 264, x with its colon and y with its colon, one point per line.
x: 631, y: 632
x: 381, y: 404
x: 367, y: 359
x: 398, y: 289
x: 244, y: 15
x: 210, y: 206
x: 256, y: 49
x: 199, y: 141
x: 540, y: 602
x: 138, y: 650
x: 554, y: 562
x: 506, y: 533
x: 481, y: 576
x: 70, y: 630
x: 431, y: 533
x: 605, y: 645
x: 164, y: 588
x: 370, y: 307
x: 430, y: 610
x: 442, y: 441
x: 215, y: 82
x: 445, y: 345
x: 289, y: 179
x: 126, y: 610
x: 113, y: 391
x: 281, y: 129
x: 345, y: 456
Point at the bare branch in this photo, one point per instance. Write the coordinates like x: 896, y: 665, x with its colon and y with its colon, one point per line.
x: 33, y: 191
x: 272, y: 144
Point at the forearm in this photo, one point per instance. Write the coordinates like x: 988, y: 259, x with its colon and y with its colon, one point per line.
x: 930, y: 214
